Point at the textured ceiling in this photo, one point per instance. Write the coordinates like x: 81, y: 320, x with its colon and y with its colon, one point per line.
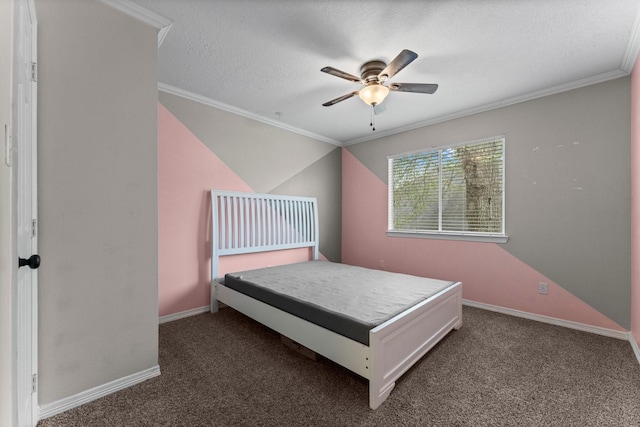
x: 263, y: 58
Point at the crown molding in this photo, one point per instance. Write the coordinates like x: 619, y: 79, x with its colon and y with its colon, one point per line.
x: 600, y: 78
x: 633, y: 46
x: 240, y: 112
x: 498, y: 104
x: 161, y: 23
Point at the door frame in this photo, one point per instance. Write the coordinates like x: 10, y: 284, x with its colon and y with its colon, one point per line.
x: 24, y: 165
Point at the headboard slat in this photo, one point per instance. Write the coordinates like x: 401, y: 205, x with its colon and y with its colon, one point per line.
x: 243, y: 223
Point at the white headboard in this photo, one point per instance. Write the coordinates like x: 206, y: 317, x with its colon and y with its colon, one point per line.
x: 243, y: 223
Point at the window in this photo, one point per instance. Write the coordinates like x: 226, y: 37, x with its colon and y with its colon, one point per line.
x: 451, y: 192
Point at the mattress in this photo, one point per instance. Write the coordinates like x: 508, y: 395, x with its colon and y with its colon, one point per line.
x: 345, y: 299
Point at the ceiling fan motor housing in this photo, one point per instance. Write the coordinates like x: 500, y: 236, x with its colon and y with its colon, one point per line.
x: 370, y: 70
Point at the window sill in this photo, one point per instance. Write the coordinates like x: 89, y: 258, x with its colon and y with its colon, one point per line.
x: 489, y: 238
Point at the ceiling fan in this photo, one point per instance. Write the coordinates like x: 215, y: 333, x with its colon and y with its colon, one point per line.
x: 374, y: 74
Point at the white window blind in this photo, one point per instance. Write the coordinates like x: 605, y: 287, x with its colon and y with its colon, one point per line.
x: 452, y: 190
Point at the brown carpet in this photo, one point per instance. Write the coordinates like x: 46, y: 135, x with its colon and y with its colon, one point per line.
x: 226, y: 370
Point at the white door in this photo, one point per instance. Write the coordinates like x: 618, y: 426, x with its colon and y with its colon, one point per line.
x: 24, y: 139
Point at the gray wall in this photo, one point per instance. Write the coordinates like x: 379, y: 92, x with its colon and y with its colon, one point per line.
x: 263, y: 156
x: 567, y: 185
x: 97, y: 126
x: 271, y: 160
x: 323, y: 180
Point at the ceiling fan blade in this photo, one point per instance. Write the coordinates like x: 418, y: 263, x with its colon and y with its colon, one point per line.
x: 342, y: 98
x: 403, y: 59
x: 341, y: 74
x: 414, y: 87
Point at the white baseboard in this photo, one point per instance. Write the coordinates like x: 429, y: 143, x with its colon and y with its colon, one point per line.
x: 622, y: 335
x: 634, y: 346
x: 62, y: 405
x: 183, y: 314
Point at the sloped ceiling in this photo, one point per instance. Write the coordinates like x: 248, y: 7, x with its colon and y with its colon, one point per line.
x: 262, y: 58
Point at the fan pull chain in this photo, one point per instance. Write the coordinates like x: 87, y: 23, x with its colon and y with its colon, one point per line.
x: 373, y: 119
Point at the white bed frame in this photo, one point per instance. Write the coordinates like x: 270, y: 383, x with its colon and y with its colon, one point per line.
x: 248, y: 222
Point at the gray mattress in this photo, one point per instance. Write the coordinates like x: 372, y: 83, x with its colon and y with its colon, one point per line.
x: 345, y: 299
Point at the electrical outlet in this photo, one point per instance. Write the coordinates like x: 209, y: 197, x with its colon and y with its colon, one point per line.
x: 543, y: 288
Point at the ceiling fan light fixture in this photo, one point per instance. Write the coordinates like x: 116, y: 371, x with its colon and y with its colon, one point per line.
x: 373, y: 94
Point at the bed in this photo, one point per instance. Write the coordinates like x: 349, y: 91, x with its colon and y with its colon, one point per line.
x: 379, y: 337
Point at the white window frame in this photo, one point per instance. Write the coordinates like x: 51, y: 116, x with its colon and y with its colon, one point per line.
x: 446, y: 235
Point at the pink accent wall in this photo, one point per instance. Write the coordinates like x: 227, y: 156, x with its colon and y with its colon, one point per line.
x: 188, y: 170
x: 488, y: 273
x: 635, y: 203
x: 264, y: 259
